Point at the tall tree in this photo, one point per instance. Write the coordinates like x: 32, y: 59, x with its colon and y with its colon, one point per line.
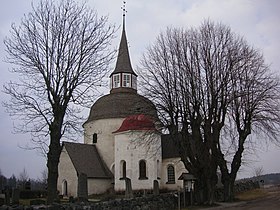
x: 22, y: 178
x: 61, y: 53
x: 192, y: 75
x: 253, y: 110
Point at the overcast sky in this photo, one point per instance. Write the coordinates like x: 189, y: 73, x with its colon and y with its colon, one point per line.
x: 257, y: 20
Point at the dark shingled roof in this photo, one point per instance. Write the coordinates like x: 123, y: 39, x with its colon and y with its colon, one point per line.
x: 186, y: 176
x: 87, y: 160
x: 123, y: 61
x: 169, y: 149
x: 121, y: 105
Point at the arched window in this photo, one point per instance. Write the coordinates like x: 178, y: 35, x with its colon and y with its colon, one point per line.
x: 158, y: 170
x: 170, y: 174
x: 64, y: 188
x: 123, y: 169
x: 142, y: 170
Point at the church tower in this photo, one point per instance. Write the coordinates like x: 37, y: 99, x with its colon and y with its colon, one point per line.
x: 121, y: 140
x: 123, y: 78
x: 109, y: 111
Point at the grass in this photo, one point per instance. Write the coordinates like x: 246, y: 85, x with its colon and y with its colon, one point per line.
x: 251, y: 195
x: 244, y: 196
x: 26, y: 202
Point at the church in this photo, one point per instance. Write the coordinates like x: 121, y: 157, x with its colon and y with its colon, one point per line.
x: 122, y: 140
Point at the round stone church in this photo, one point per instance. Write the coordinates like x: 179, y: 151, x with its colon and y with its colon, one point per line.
x: 121, y: 140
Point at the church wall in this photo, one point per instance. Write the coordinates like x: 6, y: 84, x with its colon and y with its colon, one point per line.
x: 132, y: 147
x: 67, y: 171
x: 105, y: 138
x: 179, y: 169
x: 98, y: 186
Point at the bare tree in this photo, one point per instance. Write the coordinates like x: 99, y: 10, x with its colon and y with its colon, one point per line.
x: 23, y: 178
x: 191, y: 76
x: 61, y: 53
x: 258, y: 171
x: 253, y: 110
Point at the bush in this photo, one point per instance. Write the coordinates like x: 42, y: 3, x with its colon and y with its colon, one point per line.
x: 29, y: 194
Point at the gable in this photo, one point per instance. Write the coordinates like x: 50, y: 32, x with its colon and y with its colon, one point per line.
x: 169, y: 149
x: 86, y: 159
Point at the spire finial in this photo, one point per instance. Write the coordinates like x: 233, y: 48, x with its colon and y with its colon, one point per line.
x: 124, y: 12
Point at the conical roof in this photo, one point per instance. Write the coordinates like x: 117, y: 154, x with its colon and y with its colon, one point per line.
x: 123, y: 64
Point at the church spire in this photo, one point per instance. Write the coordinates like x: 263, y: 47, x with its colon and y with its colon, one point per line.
x: 124, y: 11
x: 123, y: 70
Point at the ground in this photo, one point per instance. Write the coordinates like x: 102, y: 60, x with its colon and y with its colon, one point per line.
x: 270, y: 199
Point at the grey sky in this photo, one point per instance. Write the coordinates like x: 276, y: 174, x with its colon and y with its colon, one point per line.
x: 257, y: 20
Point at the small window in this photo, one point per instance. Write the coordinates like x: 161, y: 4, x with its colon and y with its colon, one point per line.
x: 142, y: 170
x: 170, y: 175
x: 126, y: 80
x: 158, y: 170
x: 94, y: 138
x: 116, y: 81
x: 123, y: 170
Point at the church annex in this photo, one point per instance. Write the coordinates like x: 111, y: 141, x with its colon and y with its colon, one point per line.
x: 121, y: 140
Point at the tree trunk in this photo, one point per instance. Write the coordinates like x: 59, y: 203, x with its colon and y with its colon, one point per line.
x: 200, y: 191
x: 228, y: 190
x: 52, y: 164
x: 212, y: 180
x: 53, y: 160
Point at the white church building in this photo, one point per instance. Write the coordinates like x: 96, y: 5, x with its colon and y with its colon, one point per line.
x: 121, y: 140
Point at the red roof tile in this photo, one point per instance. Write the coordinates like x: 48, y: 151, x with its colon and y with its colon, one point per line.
x: 137, y: 122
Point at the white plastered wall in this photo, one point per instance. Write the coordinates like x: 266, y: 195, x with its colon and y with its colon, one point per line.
x: 104, y: 129
x: 179, y: 169
x: 98, y: 186
x: 67, y: 171
x: 133, y: 146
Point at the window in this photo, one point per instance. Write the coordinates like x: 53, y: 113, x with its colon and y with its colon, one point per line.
x: 116, y: 81
x: 158, y: 170
x: 64, y: 188
x: 123, y: 169
x: 126, y: 80
x: 170, y: 175
x: 94, y: 138
x: 142, y: 170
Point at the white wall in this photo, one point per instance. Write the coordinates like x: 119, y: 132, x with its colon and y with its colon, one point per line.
x: 98, y: 186
x: 67, y: 171
x: 179, y: 169
x: 133, y: 146
x: 105, y: 137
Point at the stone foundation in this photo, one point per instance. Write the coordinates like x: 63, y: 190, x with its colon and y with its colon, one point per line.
x: 149, y: 202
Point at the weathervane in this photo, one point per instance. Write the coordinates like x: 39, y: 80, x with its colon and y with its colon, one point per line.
x: 124, y: 11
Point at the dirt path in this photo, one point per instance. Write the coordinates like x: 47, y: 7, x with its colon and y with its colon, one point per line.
x: 270, y: 202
